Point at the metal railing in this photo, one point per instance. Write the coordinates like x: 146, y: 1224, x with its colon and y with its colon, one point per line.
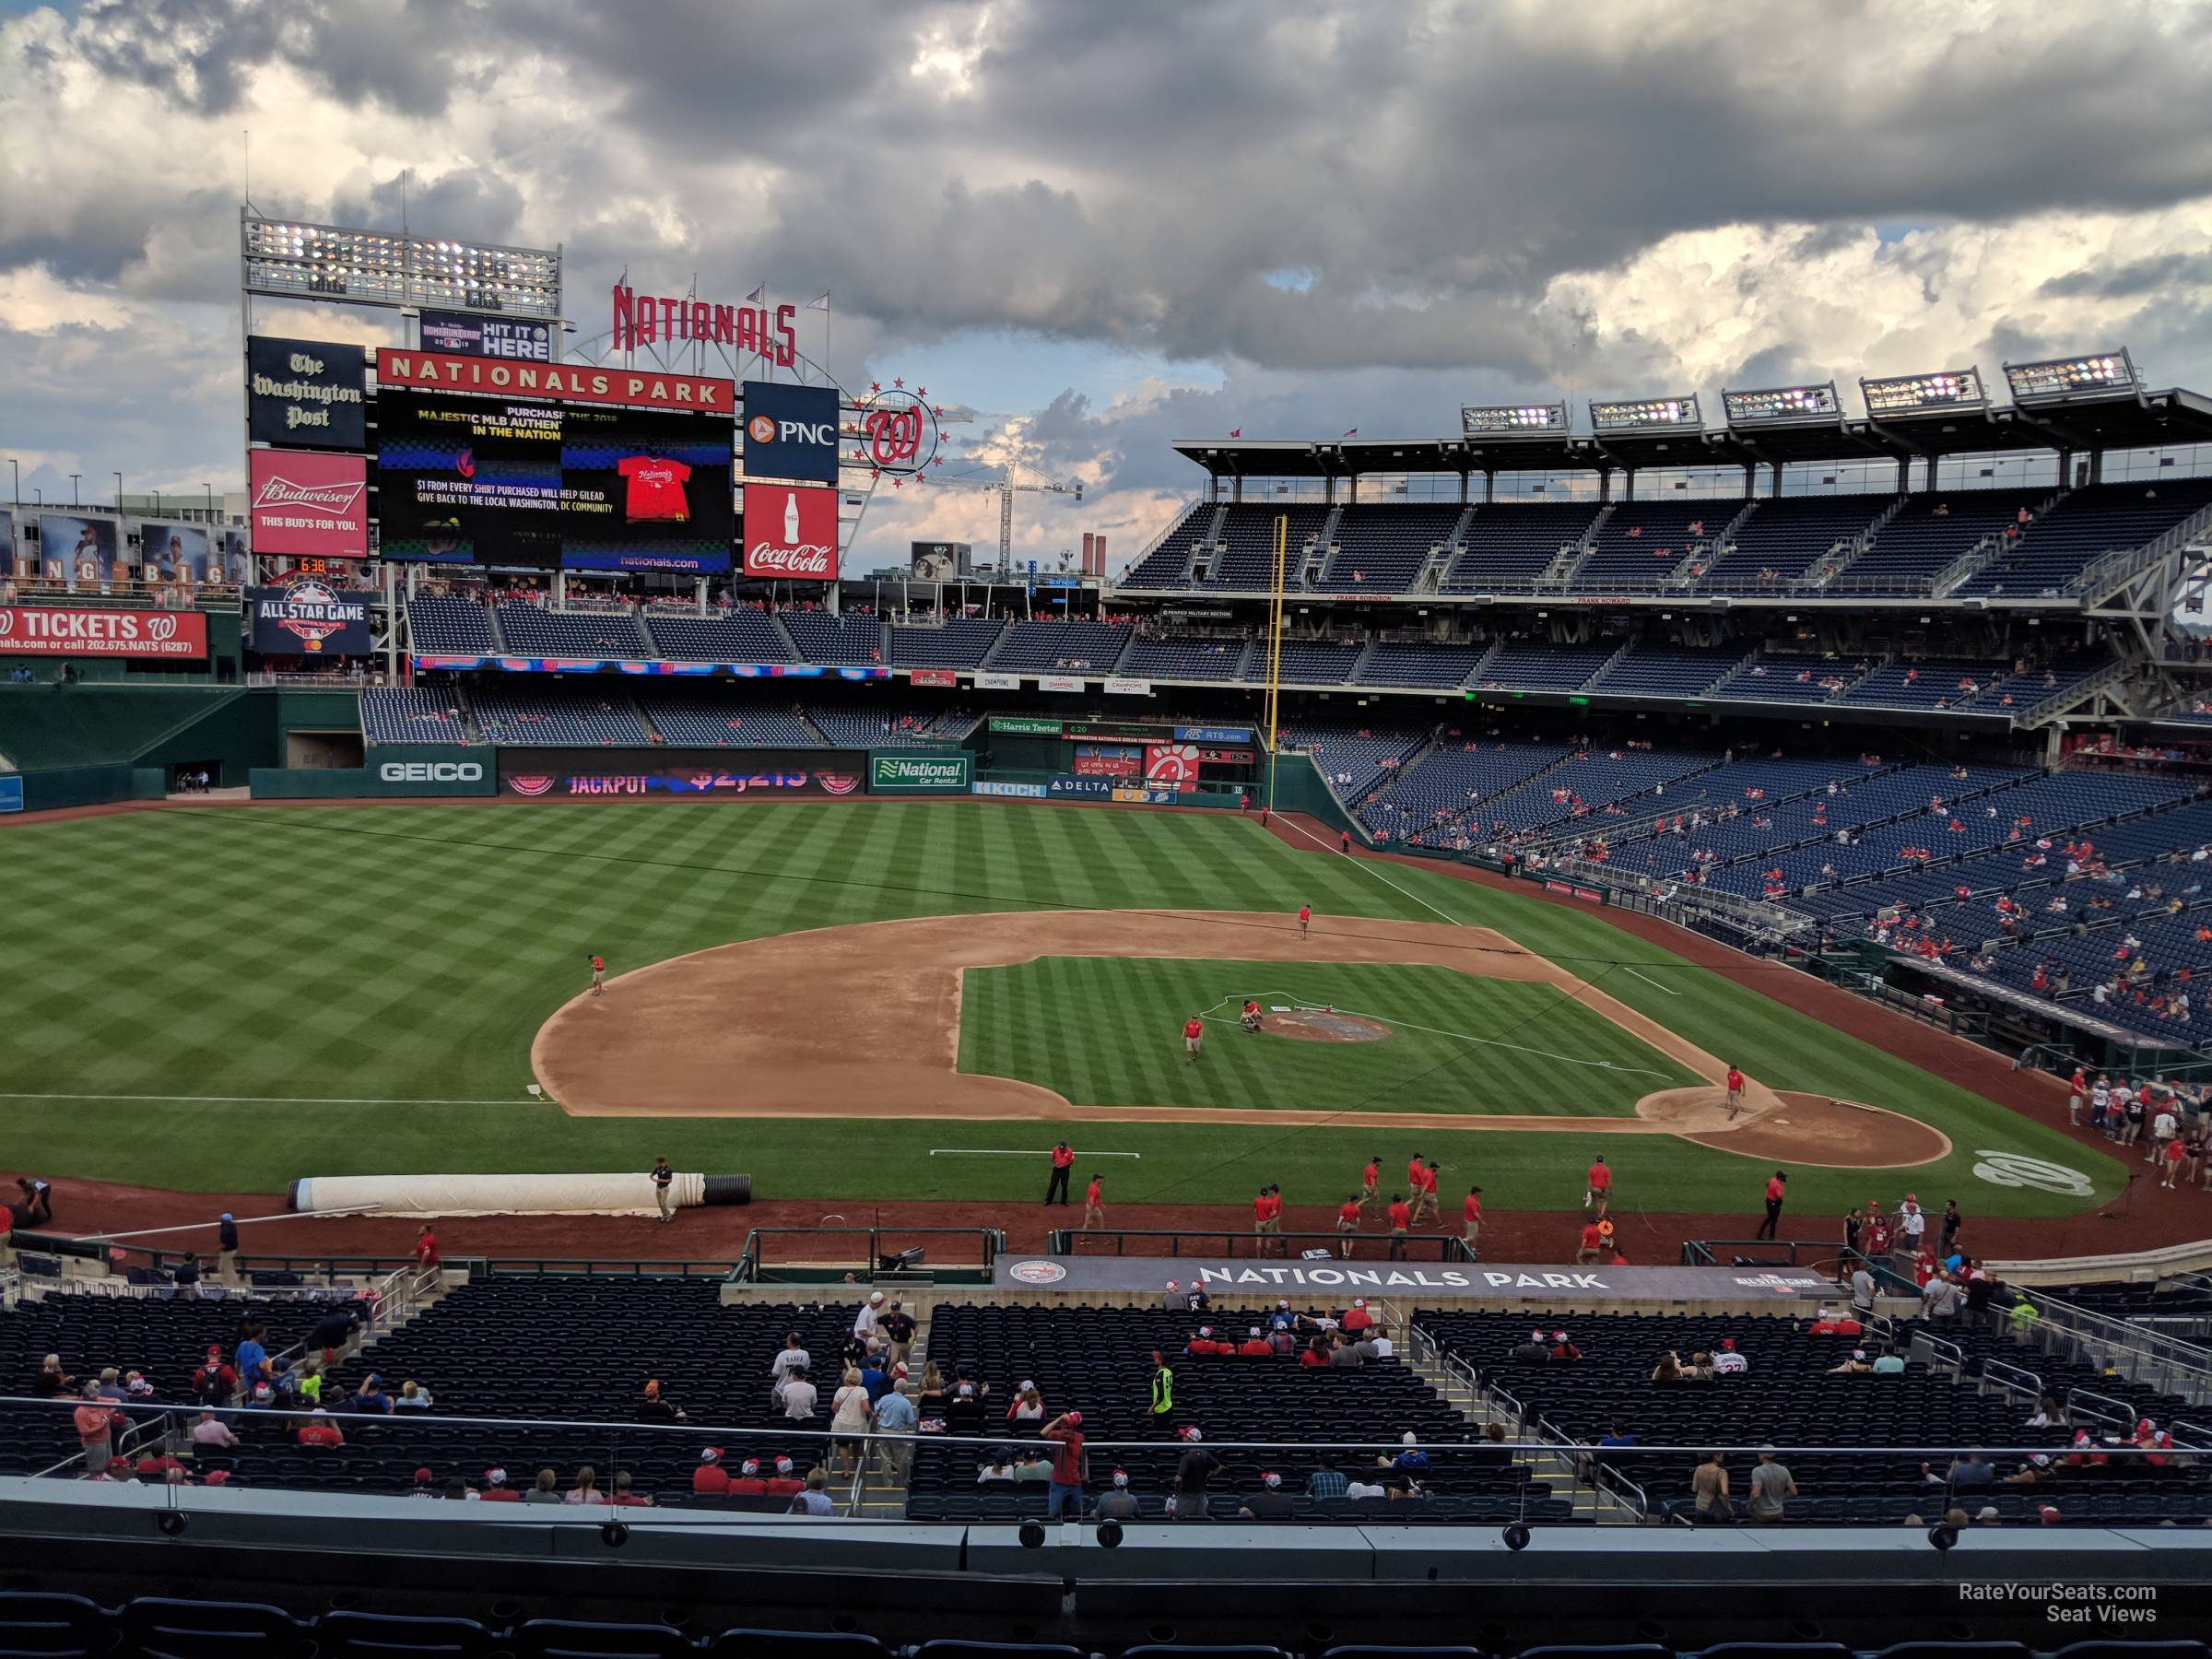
x: 2169, y: 1364
x: 754, y: 1267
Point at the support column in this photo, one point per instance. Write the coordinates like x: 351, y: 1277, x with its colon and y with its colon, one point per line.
x: 1235, y: 488
x: 1489, y: 487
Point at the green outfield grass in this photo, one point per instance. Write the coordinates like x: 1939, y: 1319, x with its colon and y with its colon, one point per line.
x: 324, y: 991
x: 1107, y: 1031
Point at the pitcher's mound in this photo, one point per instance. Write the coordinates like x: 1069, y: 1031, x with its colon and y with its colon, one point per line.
x: 1316, y: 1025
x: 1789, y: 1127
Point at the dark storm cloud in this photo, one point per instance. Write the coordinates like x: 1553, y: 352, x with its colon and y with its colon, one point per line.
x: 2163, y: 271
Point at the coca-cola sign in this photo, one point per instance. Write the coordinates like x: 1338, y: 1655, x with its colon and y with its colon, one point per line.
x: 310, y: 504
x: 790, y: 533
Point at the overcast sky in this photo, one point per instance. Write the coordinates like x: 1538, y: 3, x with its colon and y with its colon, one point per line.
x: 1105, y: 224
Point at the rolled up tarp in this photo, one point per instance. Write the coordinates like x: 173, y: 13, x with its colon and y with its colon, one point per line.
x: 629, y: 1193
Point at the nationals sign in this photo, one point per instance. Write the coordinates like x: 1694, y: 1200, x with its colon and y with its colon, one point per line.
x: 38, y: 630
x: 308, y: 504
x: 790, y: 533
x: 650, y: 319
x: 570, y: 382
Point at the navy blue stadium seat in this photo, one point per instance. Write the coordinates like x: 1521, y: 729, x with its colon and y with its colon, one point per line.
x: 159, y: 1626
x: 574, y: 1638
x: 1364, y: 1651
x: 398, y: 1636
x: 955, y: 1648
x: 1627, y: 1650
x: 1955, y: 1650
x: 1767, y: 1650
x: 1179, y: 1650
x: 2132, y: 1650
x: 53, y: 1626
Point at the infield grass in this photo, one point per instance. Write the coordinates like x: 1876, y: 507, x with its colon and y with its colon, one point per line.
x: 1107, y: 1032
x: 328, y: 990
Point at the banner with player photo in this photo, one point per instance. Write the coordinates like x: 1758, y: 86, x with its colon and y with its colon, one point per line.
x: 77, y: 549
x: 174, y: 552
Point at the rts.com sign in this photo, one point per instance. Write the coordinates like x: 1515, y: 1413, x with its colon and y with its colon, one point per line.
x: 919, y: 774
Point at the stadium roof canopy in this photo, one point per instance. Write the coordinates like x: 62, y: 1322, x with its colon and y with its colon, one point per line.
x: 2084, y: 423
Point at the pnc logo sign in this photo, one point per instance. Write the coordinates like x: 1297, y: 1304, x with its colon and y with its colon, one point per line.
x: 431, y: 771
x: 791, y: 432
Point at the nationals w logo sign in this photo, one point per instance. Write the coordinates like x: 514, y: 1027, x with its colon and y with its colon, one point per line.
x: 899, y: 432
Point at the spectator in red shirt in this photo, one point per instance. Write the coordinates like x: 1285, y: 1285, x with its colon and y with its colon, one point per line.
x: 1202, y: 1344
x: 746, y: 1482
x: 95, y: 1431
x: 1071, y: 1464
x: 1357, y: 1319
x: 426, y: 1251
x: 1401, y: 1220
x: 624, y: 1497
x: 318, y: 1430
x: 783, y: 1483
x: 1591, y: 1246
x: 711, y: 1478
x: 497, y: 1490
x: 1254, y: 1346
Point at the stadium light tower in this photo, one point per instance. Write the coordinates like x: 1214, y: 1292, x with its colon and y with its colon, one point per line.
x: 1483, y: 420
x: 1908, y: 393
x: 1646, y: 414
x: 2056, y: 378
x: 1782, y: 405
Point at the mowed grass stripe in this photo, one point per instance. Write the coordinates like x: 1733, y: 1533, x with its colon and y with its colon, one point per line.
x: 1107, y: 1032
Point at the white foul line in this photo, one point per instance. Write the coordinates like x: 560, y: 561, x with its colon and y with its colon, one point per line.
x: 1653, y: 983
x: 1370, y: 869
x: 1014, y: 1152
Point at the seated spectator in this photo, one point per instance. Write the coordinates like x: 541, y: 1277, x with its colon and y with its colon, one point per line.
x: 1562, y: 1349
x: 798, y: 1395
x: 1699, y: 1369
x: 1116, y: 1504
x: 1826, y: 1324
x: 815, y: 1499
x: 1356, y: 1318
x: 1270, y: 1502
x: 586, y: 1489
x: 2049, y: 1414
x: 413, y: 1397
x: 1028, y: 1407
x: 318, y: 1430
x: 711, y: 1479
x: 51, y: 1381
x: 1534, y: 1351
x: 496, y: 1490
x: 1668, y: 1369
x: 1856, y: 1366
x: 1889, y: 1365
x: 1408, y: 1456
x: 211, y: 1430
x: 1201, y: 1344
x: 654, y: 1407
x: 1728, y: 1362
x: 1361, y: 1486
x: 1254, y: 1346
x: 624, y: 1497
x: 1326, y: 1481
x: 748, y: 1482
x: 1971, y: 1471
x: 996, y: 1467
x: 544, y: 1490
x: 783, y: 1482
x: 2036, y: 1471
x: 1314, y: 1355
x: 371, y: 1396
x: 424, y: 1485
x: 1031, y: 1470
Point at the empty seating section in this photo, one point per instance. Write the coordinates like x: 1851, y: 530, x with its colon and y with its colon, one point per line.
x: 443, y: 625
x: 412, y: 714
x: 165, y: 1340
x: 1666, y: 671
x: 860, y: 728
x: 854, y: 642
x: 1786, y: 1396
x: 1059, y: 648
x: 1510, y: 543
x: 1187, y: 659
x: 1784, y: 539
x: 1641, y: 543
x: 1355, y: 757
x: 1929, y: 532
x: 961, y: 642
x: 2085, y: 525
x: 1097, y: 1360
x: 1926, y: 683
x: 1247, y: 561
x: 1400, y: 664
x: 1168, y: 565
x: 701, y: 720
x: 536, y: 720
x: 1592, y: 784
x: 1310, y: 662
x: 735, y: 635
x: 1537, y: 666
x: 531, y: 630
x: 1451, y: 781
x: 1384, y: 547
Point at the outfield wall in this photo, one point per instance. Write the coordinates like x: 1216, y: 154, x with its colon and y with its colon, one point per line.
x: 56, y: 787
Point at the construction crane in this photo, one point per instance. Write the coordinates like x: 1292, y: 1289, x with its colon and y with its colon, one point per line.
x: 1008, y: 484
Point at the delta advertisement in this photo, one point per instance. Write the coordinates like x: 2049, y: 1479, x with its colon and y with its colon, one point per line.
x: 173, y: 552
x: 790, y: 533
x: 306, y: 392
x: 790, y: 431
x: 1081, y: 788
x: 458, y: 333
x: 921, y: 772
x: 77, y: 549
x: 309, y: 619
x: 594, y: 774
x: 307, y: 505
x: 143, y: 635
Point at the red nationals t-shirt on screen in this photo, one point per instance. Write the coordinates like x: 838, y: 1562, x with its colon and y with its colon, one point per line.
x: 656, y: 487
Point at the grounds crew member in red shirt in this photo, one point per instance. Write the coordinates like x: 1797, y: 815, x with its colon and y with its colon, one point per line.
x: 1401, y: 1219
x: 1370, y: 1182
x: 1305, y: 920
x: 1193, y: 1029
x: 426, y: 1252
x: 1471, y: 1210
x: 1094, y: 1211
x: 1427, y: 1202
x: 1591, y: 1246
x: 1250, y: 1019
x: 1063, y: 1163
x: 1599, y: 1191
x: 1348, y: 1224
x: 1736, y: 1093
x: 1776, y: 1184
x: 598, y: 974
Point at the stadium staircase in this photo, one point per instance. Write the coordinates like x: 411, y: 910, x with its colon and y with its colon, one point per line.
x: 1982, y: 554
x: 1570, y: 559
x: 1709, y: 552
x: 814, y: 731
x: 1431, y: 577
x: 1825, y: 570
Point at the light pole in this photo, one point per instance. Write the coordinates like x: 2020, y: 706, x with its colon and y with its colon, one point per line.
x: 210, y: 489
x: 73, y: 490
x: 15, y: 495
x: 118, y: 495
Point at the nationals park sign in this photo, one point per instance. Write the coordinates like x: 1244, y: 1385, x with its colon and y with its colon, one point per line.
x: 1149, y: 1275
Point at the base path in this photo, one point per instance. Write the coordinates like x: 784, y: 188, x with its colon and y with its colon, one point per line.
x: 706, y: 1035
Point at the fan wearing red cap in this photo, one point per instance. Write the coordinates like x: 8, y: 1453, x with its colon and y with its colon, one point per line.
x: 496, y: 1490
x: 711, y: 1479
x: 1071, y: 1464
x: 1269, y: 1503
x: 1562, y: 1349
x: 784, y: 1482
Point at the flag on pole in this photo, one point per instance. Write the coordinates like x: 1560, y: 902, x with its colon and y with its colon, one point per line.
x: 1353, y: 434
x: 822, y: 305
x: 757, y: 295
x: 1236, y: 431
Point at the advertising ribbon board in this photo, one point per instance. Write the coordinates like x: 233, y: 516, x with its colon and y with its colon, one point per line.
x: 1231, y: 1277
x: 1147, y: 797
x: 1206, y: 734
x: 1022, y: 725
x: 1025, y: 792
x: 997, y: 682
x: 1128, y: 687
x: 1080, y: 788
x: 925, y: 772
x: 51, y: 631
x: 934, y: 676
x: 1059, y: 682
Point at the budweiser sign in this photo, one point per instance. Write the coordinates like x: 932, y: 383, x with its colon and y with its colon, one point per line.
x: 790, y: 533
x: 308, y: 504
x: 36, y: 630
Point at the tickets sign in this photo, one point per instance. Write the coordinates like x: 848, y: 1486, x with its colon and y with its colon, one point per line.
x: 53, y: 631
